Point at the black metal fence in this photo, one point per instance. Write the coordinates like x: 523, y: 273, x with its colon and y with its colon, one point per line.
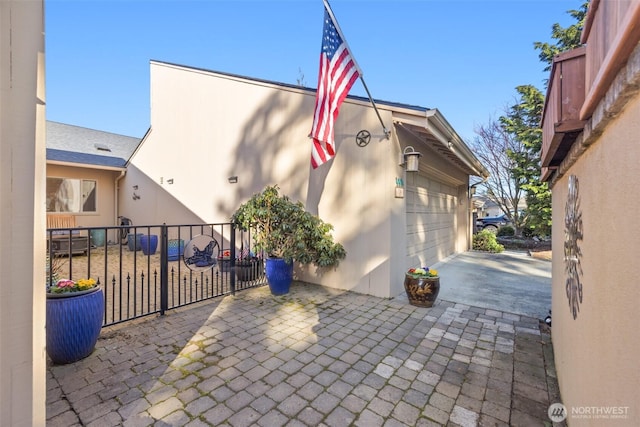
x: 143, y: 270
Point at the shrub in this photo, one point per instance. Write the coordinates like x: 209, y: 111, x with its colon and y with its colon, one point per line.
x: 506, y: 230
x: 487, y: 241
x: 284, y: 229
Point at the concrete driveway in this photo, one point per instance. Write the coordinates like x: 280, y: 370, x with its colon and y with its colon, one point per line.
x: 511, y: 281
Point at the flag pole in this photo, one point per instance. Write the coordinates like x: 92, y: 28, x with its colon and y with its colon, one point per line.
x: 387, y: 133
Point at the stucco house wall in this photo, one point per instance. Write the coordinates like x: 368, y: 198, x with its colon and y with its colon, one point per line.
x: 207, y: 126
x: 597, y: 346
x: 597, y: 353
x: 22, y: 214
x: 150, y: 196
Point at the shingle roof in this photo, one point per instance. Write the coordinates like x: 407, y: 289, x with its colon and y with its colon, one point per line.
x: 75, y: 144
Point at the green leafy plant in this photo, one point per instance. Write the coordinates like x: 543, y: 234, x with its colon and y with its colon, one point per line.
x: 418, y: 273
x: 284, y: 229
x: 506, y: 230
x: 486, y: 241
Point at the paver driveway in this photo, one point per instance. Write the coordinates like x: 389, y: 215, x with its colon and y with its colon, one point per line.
x: 313, y: 357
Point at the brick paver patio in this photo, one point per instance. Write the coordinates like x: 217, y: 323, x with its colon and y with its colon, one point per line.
x: 316, y: 356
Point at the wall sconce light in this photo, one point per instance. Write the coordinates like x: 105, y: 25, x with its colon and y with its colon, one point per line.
x: 233, y: 179
x: 410, y: 159
x: 450, y: 145
x: 170, y: 181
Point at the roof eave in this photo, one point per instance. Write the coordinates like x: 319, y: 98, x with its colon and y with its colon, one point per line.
x: 434, y: 123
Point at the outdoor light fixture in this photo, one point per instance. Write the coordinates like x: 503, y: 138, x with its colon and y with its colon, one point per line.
x: 233, y: 179
x: 410, y: 159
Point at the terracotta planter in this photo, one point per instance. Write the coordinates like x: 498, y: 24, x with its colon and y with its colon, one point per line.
x: 422, y: 291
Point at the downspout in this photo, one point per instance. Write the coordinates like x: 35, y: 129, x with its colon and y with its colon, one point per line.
x: 122, y: 174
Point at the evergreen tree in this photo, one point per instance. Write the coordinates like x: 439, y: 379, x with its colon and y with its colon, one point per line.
x: 566, y: 38
x: 523, y: 123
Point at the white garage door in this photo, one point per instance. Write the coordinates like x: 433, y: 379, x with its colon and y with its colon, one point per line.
x: 431, y: 220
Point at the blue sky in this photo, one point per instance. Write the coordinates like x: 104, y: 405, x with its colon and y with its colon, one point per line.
x: 463, y: 57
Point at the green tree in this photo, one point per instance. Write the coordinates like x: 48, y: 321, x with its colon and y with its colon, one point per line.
x: 566, y: 38
x: 523, y: 123
x: 523, y: 119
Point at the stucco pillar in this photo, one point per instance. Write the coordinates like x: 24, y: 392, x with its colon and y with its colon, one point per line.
x: 22, y: 215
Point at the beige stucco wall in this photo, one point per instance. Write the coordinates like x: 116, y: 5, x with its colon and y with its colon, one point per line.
x: 206, y: 127
x: 597, y: 354
x: 22, y: 214
x: 155, y: 205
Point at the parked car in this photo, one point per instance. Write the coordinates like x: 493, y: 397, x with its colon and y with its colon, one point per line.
x: 492, y: 223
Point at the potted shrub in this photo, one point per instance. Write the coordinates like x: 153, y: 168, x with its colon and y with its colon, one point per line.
x: 249, y: 268
x: 286, y: 232
x: 422, y: 286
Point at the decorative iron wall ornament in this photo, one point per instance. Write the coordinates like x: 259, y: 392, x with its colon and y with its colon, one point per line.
x: 363, y: 138
x: 572, y: 252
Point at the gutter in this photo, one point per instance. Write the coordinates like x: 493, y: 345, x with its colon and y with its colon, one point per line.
x: 86, y: 165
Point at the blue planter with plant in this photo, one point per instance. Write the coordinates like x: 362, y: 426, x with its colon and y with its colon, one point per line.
x: 75, y: 313
x: 283, y: 229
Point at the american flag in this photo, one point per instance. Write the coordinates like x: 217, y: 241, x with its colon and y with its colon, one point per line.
x: 338, y: 72
x: 245, y: 252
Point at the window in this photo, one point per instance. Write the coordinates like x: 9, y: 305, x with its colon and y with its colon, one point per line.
x: 71, y: 195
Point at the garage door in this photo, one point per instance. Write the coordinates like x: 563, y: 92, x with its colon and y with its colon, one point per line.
x: 431, y: 220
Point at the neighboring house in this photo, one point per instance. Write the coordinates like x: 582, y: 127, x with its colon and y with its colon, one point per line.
x: 84, y: 167
x: 208, y: 126
x: 591, y: 158
x: 487, y: 207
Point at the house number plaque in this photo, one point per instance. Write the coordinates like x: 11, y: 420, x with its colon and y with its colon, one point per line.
x: 572, y: 252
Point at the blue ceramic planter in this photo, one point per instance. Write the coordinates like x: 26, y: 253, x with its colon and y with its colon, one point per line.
x: 133, y: 241
x: 176, y: 249
x: 149, y: 244
x: 279, y: 275
x: 73, y: 325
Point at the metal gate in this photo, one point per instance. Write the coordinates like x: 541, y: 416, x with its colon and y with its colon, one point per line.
x: 143, y: 269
